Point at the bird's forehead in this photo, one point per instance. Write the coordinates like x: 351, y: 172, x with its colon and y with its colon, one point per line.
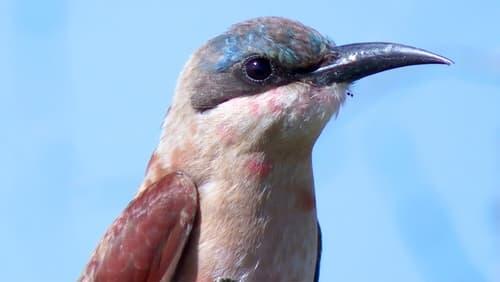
x: 289, y: 43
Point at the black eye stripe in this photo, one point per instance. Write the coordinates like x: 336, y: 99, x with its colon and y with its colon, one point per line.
x: 258, y: 68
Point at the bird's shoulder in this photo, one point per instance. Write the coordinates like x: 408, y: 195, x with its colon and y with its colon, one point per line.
x: 145, y: 242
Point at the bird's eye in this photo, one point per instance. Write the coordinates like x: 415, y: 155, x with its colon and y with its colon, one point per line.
x: 258, y: 68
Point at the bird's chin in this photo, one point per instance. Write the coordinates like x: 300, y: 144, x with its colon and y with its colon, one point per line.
x: 308, y: 108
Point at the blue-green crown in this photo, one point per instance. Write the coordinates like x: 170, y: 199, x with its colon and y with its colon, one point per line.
x: 287, y: 42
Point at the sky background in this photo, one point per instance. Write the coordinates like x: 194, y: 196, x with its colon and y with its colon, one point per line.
x: 407, y: 176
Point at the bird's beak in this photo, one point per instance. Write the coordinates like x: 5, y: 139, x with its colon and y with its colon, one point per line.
x: 351, y: 62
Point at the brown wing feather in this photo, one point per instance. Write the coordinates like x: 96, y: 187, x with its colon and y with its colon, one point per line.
x: 146, y: 241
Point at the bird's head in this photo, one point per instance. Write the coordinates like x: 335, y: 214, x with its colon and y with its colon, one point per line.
x: 274, y: 82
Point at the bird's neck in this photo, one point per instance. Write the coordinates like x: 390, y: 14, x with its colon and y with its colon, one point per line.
x: 246, y: 194
x: 257, y: 217
x: 240, y: 180
x: 232, y: 164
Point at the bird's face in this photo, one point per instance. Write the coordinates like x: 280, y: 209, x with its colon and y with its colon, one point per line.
x: 275, y: 81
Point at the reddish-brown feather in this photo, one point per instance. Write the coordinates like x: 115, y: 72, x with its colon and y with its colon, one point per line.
x: 144, y: 242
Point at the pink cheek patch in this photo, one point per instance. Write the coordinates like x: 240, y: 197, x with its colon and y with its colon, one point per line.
x: 274, y: 106
x: 226, y: 134
x: 257, y: 166
x: 255, y: 109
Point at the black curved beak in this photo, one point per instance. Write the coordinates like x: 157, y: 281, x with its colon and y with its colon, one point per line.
x: 351, y: 62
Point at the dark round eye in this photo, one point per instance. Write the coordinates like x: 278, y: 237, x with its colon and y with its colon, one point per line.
x: 258, y: 68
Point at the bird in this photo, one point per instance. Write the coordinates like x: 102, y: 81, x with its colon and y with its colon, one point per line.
x: 228, y: 193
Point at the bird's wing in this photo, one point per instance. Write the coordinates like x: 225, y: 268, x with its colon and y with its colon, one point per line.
x: 318, y: 256
x: 145, y: 243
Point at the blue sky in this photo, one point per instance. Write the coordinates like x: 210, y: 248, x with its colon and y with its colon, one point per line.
x: 407, y: 176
